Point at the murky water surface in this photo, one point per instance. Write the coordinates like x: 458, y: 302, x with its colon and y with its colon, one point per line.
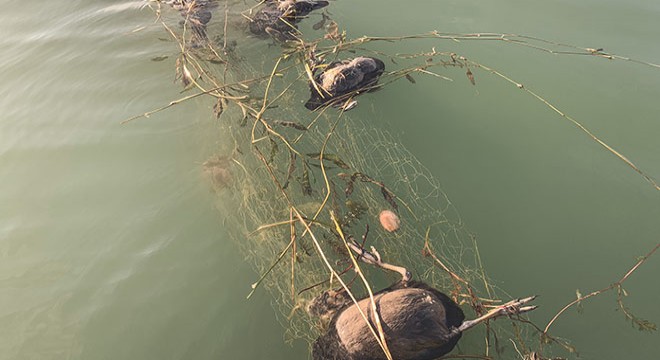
x: 112, y: 246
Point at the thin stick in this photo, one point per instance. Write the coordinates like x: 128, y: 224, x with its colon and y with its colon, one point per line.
x: 598, y: 292
x: 455, y: 278
x: 268, y: 271
x: 189, y: 97
x: 572, y: 120
x: 265, y: 101
x: 358, y: 270
x: 325, y: 175
x: 341, y: 281
x: 293, y: 255
x: 268, y: 226
x: 457, y: 356
x: 172, y: 103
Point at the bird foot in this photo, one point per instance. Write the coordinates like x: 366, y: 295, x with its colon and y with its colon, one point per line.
x: 348, y: 105
x: 373, y: 258
x: 513, y: 307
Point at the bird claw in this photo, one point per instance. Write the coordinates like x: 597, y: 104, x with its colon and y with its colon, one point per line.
x: 349, y: 105
x: 376, y: 254
x: 373, y: 257
x: 525, y: 309
x: 513, y: 307
x: 516, y: 307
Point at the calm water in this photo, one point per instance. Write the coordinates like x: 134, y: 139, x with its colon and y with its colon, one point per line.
x: 111, y: 245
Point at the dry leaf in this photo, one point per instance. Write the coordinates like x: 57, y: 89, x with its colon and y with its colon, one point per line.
x: 410, y: 78
x: 186, y: 76
x: 291, y: 124
x: 218, y: 108
x: 470, y: 76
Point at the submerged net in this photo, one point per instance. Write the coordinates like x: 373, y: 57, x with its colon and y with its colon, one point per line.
x: 422, y: 207
x: 303, y: 181
x: 297, y: 175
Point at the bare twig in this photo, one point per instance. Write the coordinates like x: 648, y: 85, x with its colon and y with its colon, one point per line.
x: 374, y: 308
x: 608, y: 288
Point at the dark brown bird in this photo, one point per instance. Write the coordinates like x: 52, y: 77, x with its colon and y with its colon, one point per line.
x: 342, y: 79
x: 279, y: 18
x: 419, y: 322
x: 198, y: 14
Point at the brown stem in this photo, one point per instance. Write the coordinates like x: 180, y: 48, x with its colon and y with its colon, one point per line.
x: 598, y: 292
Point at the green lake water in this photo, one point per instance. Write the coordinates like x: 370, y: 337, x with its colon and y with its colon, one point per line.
x: 113, y: 246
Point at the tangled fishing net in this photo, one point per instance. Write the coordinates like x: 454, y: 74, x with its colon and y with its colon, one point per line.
x: 308, y: 182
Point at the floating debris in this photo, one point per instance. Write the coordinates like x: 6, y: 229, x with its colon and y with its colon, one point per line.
x: 304, y: 181
x: 291, y: 124
x: 389, y: 220
x: 330, y: 157
x: 411, y: 79
x: 470, y: 76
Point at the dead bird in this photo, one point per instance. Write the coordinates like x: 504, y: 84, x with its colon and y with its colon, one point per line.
x: 279, y: 18
x: 419, y: 322
x: 197, y: 14
x: 342, y: 79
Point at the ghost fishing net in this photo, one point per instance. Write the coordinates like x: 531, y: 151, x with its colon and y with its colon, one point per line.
x: 305, y: 183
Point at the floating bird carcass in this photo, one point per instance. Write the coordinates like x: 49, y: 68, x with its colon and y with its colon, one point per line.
x: 418, y: 321
x: 342, y: 80
x: 197, y: 14
x: 279, y: 18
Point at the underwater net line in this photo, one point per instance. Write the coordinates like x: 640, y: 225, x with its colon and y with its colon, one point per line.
x: 306, y: 181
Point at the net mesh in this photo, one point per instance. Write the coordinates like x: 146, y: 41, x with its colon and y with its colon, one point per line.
x: 280, y: 182
x: 422, y: 206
